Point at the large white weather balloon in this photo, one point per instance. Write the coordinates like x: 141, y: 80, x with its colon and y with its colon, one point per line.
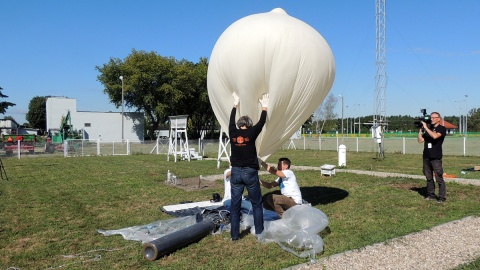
x: 270, y: 53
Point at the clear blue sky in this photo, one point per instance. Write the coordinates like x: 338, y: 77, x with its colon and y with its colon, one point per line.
x: 433, y: 47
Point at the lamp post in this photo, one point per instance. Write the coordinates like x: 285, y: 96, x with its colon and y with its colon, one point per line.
x: 466, y: 116
x: 348, y: 118
x: 121, y: 78
x: 342, y: 116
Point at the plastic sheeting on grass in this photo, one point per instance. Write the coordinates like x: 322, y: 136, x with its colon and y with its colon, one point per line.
x: 297, y: 232
x: 154, y: 230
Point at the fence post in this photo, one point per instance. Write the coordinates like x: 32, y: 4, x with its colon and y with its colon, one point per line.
x: 357, y: 144
x: 65, y: 148
x: 464, y: 145
x: 403, y: 145
x: 128, y: 147
x: 320, y: 142
x: 98, y: 147
x: 303, y: 143
x: 19, y: 147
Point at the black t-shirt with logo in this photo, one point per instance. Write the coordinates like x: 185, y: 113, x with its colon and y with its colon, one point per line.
x: 244, y: 152
x: 432, y: 148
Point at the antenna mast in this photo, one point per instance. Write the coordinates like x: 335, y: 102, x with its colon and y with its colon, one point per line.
x: 379, y: 117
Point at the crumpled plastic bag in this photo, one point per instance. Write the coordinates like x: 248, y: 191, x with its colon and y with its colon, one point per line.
x: 299, y: 229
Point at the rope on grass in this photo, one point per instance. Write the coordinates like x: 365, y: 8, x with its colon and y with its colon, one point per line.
x: 87, y: 258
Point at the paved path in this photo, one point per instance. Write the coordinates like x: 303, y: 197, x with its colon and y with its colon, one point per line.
x: 465, y: 181
x: 475, y: 182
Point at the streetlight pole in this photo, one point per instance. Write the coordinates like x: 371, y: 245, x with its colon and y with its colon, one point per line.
x: 342, y: 116
x: 348, y: 118
x: 466, y: 116
x: 121, y: 78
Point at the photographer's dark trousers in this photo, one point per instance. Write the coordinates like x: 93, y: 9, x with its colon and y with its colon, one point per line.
x: 433, y: 167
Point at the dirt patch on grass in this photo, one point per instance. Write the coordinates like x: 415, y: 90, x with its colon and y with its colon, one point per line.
x: 195, y: 183
x: 408, y: 186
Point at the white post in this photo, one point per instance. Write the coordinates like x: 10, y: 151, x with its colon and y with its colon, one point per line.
x: 464, y: 145
x: 65, y: 148
x: 19, y: 147
x: 357, y: 144
x: 121, y: 78
x: 403, y: 145
x: 303, y: 143
x: 98, y: 147
x: 128, y: 147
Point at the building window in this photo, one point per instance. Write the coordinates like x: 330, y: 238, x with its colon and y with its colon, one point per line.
x: 88, y: 124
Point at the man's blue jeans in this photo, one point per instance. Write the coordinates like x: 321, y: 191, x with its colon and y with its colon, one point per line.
x: 244, y: 177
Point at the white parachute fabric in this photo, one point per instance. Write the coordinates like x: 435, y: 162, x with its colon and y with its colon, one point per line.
x: 270, y: 53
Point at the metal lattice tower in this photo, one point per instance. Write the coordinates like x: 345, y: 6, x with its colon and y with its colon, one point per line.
x: 379, y: 117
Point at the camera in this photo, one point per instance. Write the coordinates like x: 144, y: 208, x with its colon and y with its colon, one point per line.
x: 424, y: 118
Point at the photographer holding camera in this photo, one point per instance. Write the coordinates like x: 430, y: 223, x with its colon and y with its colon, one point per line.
x: 432, y: 135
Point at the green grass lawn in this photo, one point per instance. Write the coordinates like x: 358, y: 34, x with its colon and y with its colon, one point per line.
x: 51, y: 209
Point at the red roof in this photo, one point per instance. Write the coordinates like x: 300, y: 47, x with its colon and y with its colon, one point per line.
x: 448, y: 125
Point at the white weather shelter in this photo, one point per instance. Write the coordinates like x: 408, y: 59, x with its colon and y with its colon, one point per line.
x: 178, y: 141
x: 106, y: 126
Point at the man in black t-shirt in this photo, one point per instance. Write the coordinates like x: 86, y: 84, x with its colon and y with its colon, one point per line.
x: 245, y: 166
x: 432, y: 136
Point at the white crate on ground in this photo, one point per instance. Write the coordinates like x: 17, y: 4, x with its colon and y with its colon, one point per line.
x: 327, y: 169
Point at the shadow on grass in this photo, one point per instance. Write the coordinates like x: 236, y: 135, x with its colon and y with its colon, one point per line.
x: 422, y: 191
x: 323, y: 195
x: 319, y: 195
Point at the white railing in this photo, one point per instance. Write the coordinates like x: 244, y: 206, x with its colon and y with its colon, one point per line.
x: 459, y: 146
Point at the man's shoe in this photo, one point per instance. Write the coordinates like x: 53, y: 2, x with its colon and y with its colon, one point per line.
x: 430, y: 198
x: 441, y: 200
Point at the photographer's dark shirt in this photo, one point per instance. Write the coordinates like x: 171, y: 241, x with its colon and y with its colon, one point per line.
x: 432, y: 148
x: 244, y: 152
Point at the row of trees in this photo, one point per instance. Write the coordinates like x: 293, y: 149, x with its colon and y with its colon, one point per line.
x: 324, y: 119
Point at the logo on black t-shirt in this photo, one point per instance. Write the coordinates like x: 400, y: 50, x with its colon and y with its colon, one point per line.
x: 240, y: 140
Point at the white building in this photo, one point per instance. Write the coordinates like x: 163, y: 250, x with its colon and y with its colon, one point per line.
x: 105, y: 126
x: 8, y: 127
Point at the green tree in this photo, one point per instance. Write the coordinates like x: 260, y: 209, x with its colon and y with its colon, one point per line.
x: 474, y: 120
x: 37, y: 112
x: 4, y: 104
x: 324, y: 116
x: 202, y: 117
x: 156, y: 85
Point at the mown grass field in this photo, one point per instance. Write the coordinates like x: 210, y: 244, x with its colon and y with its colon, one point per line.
x: 51, y: 209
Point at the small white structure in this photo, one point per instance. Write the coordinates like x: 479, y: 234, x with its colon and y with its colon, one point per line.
x: 222, y: 149
x: 9, y: 126
x: 342, y: 155
x: 327, y: 169
x: 176, y: 145
x: 105, y: 126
